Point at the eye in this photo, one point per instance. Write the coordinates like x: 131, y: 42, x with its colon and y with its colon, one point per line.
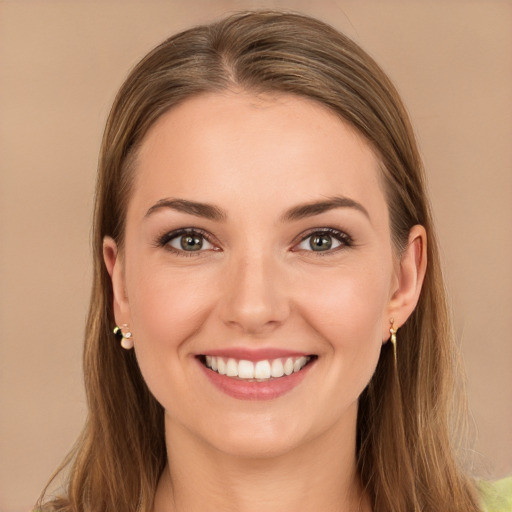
x: 190, y: 242
x: 186, y: 241
x: 324, y: 241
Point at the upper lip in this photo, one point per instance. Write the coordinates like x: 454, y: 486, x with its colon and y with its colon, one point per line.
x: 251, y: 354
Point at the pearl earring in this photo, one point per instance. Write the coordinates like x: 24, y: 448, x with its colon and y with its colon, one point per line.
x: 124, y: 337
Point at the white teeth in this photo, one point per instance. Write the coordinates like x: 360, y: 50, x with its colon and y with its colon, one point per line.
x: 221, y: 365
x: 260, y: 370
x: 277, y: 368
x: 245, y: 369
x: 232, y: 368
x: 299, y: 363
x: 288, y: 366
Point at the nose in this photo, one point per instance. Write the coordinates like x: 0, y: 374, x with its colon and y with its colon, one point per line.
x: 254, y: 298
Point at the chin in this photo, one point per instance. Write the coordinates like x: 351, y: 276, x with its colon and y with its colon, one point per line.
x: 257, y: 445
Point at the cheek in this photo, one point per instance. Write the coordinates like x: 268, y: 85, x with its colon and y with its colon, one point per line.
x: 347, y: 300
x: 348, y: 312
x: 167, y: 305
x: 167, y: 309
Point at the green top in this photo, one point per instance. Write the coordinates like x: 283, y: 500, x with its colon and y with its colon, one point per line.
x: 496, y: 496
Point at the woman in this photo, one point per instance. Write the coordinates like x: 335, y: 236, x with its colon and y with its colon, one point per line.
x: 264, y: 247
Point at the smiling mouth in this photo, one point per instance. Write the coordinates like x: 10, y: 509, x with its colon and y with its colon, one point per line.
x: 256, y: 371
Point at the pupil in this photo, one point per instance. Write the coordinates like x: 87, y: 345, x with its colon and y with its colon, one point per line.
x: 191, y: 243
x: 320, y: 243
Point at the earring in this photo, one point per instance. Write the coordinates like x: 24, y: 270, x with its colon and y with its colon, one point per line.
x: 393, y: 331
x: 124, y: 337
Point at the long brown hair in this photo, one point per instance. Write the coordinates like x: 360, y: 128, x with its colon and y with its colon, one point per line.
x: 405, y: 453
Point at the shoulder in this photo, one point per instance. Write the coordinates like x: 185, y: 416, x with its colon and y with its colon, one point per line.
x: 496, y: 496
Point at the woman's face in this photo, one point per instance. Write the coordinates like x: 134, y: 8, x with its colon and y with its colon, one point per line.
x: 257, y: 243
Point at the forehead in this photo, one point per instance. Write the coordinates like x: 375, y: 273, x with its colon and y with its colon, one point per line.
x: 260, y: 149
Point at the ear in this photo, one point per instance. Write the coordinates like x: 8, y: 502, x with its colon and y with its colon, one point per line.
x: 410, y: 276
x: 115, y: 266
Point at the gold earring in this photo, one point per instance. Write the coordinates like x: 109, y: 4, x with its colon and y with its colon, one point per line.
x: 125, y: 337
x: 393, y: 331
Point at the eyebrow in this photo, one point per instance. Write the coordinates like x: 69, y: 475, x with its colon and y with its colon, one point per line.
x: 209, y: 211
x: 317, y: 207
x: 205, y: 210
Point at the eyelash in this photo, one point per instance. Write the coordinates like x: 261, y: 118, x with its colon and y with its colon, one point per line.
x: 343, y: 238
x: 163, y: 241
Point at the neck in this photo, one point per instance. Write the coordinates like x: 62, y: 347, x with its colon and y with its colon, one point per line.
x: 320, y: 475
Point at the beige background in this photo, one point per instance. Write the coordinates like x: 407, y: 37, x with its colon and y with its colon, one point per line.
x: 60, y: 65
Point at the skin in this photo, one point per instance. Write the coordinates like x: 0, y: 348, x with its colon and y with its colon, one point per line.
x: 257, y: 284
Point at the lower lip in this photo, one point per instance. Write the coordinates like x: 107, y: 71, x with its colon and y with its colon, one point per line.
x: 245, y: 390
